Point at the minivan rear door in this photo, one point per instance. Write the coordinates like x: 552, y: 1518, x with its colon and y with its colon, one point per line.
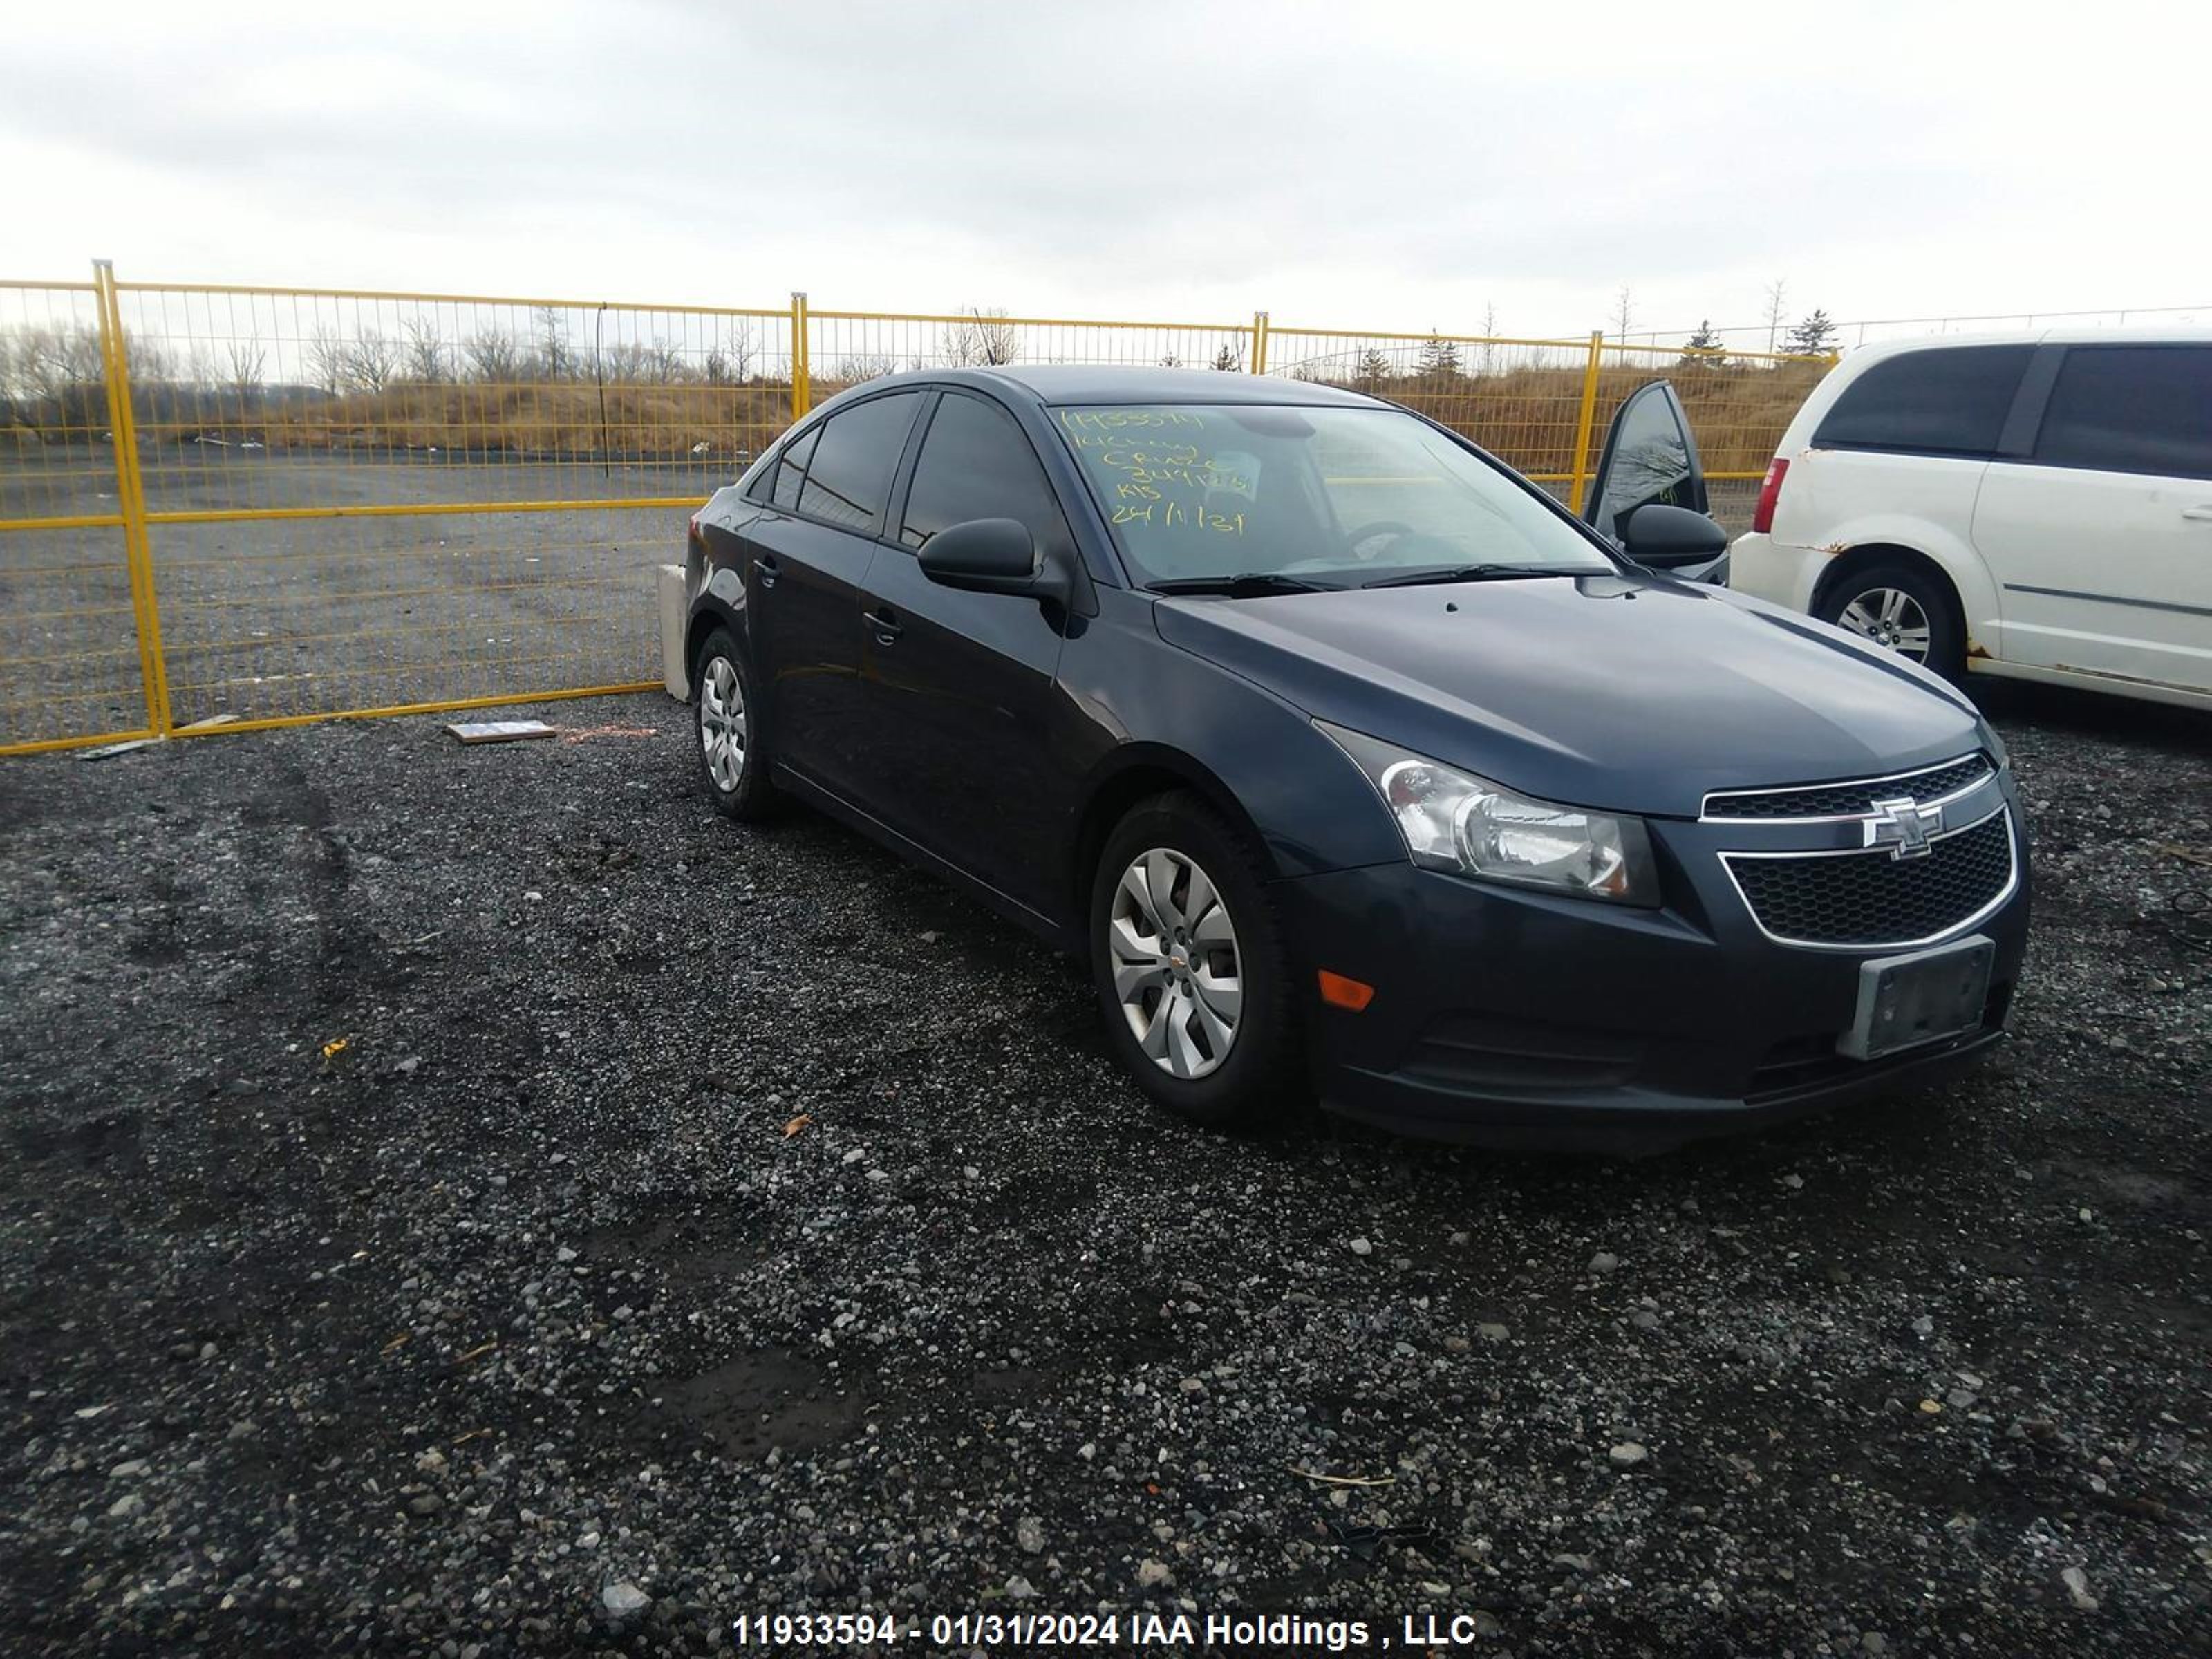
x: 2099, y: 536
x: 1650, y: 456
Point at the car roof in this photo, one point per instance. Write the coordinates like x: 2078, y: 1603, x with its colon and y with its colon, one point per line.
x: 2060, y: 334
x: 1056, y: 384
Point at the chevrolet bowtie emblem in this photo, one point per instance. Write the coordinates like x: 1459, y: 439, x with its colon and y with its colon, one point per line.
x: 1906, y: 827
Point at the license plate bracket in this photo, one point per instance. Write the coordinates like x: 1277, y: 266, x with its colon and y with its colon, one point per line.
x: 1923, y: 996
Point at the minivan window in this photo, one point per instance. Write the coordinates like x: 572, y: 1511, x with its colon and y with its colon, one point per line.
x: 2132, y: 409
x: 849, y: 478
x: 791, y: 469
x: 976, y: 464
x: 1948, y: 400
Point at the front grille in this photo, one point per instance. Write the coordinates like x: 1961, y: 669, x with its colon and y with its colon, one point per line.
x: 1872, y: 899
x: 1836, y: 800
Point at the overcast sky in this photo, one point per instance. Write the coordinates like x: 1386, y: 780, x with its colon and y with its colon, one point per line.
x: 1380, y: 166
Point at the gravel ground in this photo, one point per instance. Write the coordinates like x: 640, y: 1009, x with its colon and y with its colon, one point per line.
x: 697, y: 1222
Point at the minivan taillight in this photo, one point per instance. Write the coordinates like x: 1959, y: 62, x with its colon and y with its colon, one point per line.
x: 1770, y: 492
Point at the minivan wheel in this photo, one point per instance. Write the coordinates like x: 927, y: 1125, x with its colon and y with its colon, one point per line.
x: 1192, y: 973
x: 1903, y: 609
x: 728, y: 721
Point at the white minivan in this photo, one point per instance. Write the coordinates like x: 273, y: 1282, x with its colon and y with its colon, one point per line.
x: 2038, y: 506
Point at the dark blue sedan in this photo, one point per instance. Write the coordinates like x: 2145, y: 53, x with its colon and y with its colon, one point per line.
x: 1353, y: 765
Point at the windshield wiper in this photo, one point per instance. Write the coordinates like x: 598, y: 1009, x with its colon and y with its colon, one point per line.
x: 1248, y: 584
x: 1482, y: 573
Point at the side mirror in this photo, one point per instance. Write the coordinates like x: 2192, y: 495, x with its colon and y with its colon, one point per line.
x: 1663, y: 536
x: 996, y: 555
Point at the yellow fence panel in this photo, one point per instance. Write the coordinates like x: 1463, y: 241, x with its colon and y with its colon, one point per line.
x: 362, y: 502
x: 1542, y: 406
x: 847, y: 348
x: 272, y: 505
x: 69, y: 664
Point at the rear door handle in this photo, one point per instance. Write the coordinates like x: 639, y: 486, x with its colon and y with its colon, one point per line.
x: 2202, y: 513
x: 768, y: 569
x: 886, y: 624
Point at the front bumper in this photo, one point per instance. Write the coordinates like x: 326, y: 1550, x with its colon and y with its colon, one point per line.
x: 1516, y: 1018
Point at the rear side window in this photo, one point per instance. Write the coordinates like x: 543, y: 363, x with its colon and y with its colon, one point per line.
x: 1951, y: 401
x: 849, y: 478
x: 2132, y: 409
x: 791, y: 469
x: 976, y: 464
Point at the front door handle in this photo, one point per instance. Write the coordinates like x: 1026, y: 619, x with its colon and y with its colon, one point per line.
x: 767, y: 569
x: 2202, y: 513
x: 886, y: 624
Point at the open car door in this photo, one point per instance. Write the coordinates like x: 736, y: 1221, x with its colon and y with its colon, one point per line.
x: 1651, y: 457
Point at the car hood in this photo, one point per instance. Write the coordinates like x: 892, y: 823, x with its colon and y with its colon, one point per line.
x: 1619, y: 692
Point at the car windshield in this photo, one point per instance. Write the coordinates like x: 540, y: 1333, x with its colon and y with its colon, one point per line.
x: 1262, y: 499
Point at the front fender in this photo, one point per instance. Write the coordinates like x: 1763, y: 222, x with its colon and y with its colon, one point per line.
x: 1150, y: 706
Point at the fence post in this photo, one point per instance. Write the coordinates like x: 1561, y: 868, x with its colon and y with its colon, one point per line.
x: 130, y: 496
x: 1583, y: 423
x: 802, y: 390
x: 1259, y: 343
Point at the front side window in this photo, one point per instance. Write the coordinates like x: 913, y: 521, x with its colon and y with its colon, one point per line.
x: 976, y: 464
x: 1333, y: 496
x: 1950, y: 400
x: 2132, y: 409
x: 849, y: 478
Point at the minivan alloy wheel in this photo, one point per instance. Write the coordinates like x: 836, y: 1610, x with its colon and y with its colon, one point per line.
x: 722, y: 723
x: 1890, y: 618
x: 1177, y: 972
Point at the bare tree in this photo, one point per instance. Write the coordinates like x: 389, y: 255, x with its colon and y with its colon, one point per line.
x: 373, y: 362
x: 246, y: 360
x: 493, y: 357
x: 665, y: 365
x: 1486, y: 359
x: 626, y: 363
x: 1777, y: 308
x: 869, y: 366
x: 557, y: 359
x: 326, y: 359
x: 982, y: 339
x: 430, y: 360
x: 51, y: 359
x: 1624, y: 314
x: 730, y: 359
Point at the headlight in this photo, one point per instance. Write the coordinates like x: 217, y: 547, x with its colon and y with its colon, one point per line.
x: 1452, y: 820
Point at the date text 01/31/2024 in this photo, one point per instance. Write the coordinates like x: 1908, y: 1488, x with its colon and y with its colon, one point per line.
x: 1137, y: 1630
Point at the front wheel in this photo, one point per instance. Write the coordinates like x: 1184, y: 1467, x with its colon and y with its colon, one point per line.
x: 1903, y: 609
x: 1192, y: 977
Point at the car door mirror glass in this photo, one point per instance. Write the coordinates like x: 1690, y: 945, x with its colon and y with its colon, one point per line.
x: 1649, y: 458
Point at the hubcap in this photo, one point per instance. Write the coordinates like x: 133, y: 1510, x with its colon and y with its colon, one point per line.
x: 1889, y: 616
x: 722, y: 723
x: 1177, y: 972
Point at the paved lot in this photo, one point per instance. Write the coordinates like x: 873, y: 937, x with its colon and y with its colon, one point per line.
x: 739, y: 1220
x: 274, y: 618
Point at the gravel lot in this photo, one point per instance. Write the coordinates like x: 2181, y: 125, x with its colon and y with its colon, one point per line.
x: 698, y: 1221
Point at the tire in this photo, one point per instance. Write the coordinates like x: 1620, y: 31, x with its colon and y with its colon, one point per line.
x: 1905, y: 608
x: 727, y: 731
x: 1166, y: 1004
